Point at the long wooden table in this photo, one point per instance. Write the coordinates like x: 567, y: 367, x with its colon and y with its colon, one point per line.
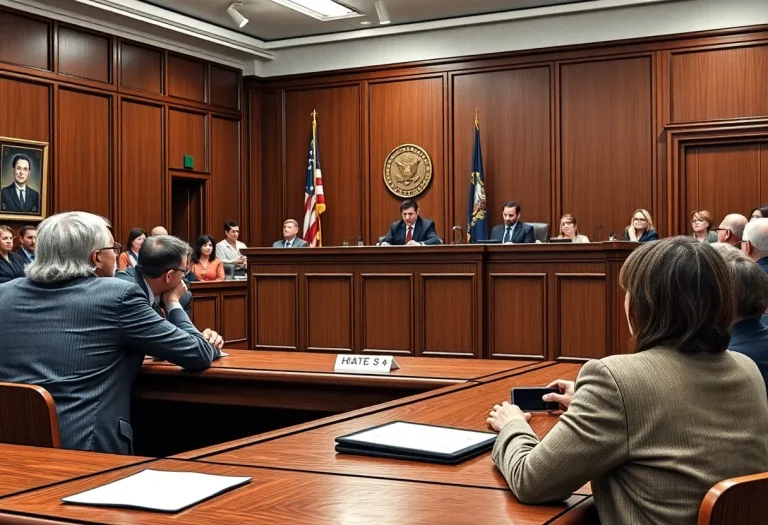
x: 545, y: 301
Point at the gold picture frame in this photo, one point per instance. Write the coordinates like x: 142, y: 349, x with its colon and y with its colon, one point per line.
x: 23, y: 179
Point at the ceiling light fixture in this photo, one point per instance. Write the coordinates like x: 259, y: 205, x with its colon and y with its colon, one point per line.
x: 239, y: 19
x: 381, y: 10
x: 323, y: 10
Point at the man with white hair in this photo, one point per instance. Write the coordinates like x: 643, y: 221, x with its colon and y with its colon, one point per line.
x: 83, y: 338
x: 755, y: 242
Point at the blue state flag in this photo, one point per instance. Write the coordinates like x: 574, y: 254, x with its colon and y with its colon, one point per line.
x: 477, y: 209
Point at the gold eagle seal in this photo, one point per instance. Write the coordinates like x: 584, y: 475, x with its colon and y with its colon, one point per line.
x: 407, y: 170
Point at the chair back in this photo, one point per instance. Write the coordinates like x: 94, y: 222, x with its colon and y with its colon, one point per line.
x: 737, y: 500
x: 229, y: 271
x: 540, y: 231
x: 28, y: 416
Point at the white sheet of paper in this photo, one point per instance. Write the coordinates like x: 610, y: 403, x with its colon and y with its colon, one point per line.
x: 158, y: 490
x: 422, y: 437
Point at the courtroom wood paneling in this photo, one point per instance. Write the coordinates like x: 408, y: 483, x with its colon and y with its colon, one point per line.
x: 581, y: 314
x: 187, y: 134
x: 340, y: 158
x: 24, y: 41
x: 406, y: 112
x: 234, y: 317
x: 205, y: 311
x: 141, y: 68
x: 225, y: 87
x: 271, y: 162
x: 142, y: 181
x: 25, y: 110
x: 275, y: 318
x: 186, y: 78
x: 449, y: 314
x: 514, y: 109
x: 84, y: 55
x: 84, y: 176
x: 329, y: 329
x: 514, y: 330
x: 387, y: 313
x: 225, y: 185
x: 606, y: 142
x: 719, y: 83
x: 188, y: 208
x: 255, y: 184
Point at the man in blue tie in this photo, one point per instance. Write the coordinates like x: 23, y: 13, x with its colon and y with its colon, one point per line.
x: 513, y: 231
x: 27, y: 240
x: 18, y: 196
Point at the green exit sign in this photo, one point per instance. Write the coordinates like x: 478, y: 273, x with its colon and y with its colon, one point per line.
x: 189, y: 162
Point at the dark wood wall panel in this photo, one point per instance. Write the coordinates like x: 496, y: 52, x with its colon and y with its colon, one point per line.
x: 84, y: 55
x: 273, y: 182
x: 514, y: 109
x: 387, y: 313
x: 449, y: 327
x: 406, y: 112
x: 84, y: 176
x: 142, y: 183
x: 719, y: 83
x: 330, y: 329
x: 340, y: 158
x: 205, y: 311
x: 25, y: 110
x: 225, y: 87
x: 186, y: 78
x: 606, y: 141
x: 224, y: 190
x: 275, y: 297
x: 141, y: 68
x: 24, y: 41
x: 581, y: 311
x: 234, y: 320
x: 187, y: 134
x: 524, y: 333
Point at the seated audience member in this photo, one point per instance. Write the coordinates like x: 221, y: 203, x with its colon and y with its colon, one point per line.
x: 749, y: 335
x: 641, y: 229
x: 159, y: 230
x: 731, y: 230
x: 11, y: 264
x: 512, y: 231
x: 158, y: 253
x: 755, y: 242
x: 570, y: 230
x: 701, y: 222
x: 130, y: 257
x: 205, y: 265
x: 412, y: 229
x: 228, y: 250
x: 291, y: 237
x: 27, y: 239
x: 759, y: 213
x: 654, y: 430
x: 84, y: 338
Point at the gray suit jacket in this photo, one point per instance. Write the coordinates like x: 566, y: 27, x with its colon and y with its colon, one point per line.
x: 652, y: 431
x: 134, y: 275
x: 298, y: 242
x: 84, y: 341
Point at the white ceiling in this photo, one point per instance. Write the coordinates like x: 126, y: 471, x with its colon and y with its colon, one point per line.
x: 270, y: 21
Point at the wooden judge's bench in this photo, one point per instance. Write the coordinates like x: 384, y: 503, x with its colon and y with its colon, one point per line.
x: 542, y: 301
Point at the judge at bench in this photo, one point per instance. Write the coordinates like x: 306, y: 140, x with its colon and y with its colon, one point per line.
x: 290, y: 236
x: 412, y: 229
x: 512, y: 231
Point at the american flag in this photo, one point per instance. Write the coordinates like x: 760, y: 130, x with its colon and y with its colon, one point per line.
x: 314, y: 199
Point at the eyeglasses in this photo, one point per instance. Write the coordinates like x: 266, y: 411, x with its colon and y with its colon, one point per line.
x: 639, y: 219
x: 722, y: 229
x: 176, y: 270
x: 117, y: 248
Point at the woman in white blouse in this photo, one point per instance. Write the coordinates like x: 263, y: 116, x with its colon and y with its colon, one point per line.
x: 570, y: 230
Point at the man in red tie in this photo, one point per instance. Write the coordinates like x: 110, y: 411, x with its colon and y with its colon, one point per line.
x: 412, y: 229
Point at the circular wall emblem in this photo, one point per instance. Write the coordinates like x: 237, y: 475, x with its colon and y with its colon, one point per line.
x: 407, y: 170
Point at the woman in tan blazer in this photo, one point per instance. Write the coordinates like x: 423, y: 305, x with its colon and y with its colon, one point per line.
x: 653, y: 430
x: 205, y: 265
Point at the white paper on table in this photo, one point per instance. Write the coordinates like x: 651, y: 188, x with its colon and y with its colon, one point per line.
x: 423, y: 438
x: 158, y: 490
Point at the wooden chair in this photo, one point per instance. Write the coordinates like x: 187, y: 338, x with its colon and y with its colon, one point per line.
x: 28, y: 416
x: 741, y: 500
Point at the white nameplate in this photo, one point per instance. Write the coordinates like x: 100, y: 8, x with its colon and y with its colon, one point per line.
x: 365, y: 364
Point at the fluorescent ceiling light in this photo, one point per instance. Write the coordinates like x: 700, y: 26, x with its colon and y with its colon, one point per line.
x: 239, y: 19
x: 381, y: 10
x: 320, y: 9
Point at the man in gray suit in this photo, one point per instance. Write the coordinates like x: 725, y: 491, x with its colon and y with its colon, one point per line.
x: 83, y: 338
x: 290, y: 236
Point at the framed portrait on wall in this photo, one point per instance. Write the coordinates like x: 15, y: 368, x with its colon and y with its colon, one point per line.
x: 23, y: 179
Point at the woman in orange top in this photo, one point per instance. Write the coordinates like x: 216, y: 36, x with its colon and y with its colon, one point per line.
x: 204, y: 262
x: 130, y: 257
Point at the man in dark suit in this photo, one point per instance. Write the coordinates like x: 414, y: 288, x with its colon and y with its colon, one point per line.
x: 755, y: 242
x: 291, y: 237
x: 150, y: 274
x: 18, y: 197
x: 83, y: 338
x: 412, y: 229
x: 27, y: 240
x: 512, y: 231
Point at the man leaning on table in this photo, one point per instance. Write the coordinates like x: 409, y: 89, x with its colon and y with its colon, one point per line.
x: 83, y: 338
x: 412, y: 229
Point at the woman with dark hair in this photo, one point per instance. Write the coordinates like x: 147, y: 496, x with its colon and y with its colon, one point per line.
x: 654, y: 430
x: 760, y: 212
x: 130, y: 257
x: 205, y: 265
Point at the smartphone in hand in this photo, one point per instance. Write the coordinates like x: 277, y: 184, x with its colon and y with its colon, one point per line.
x: 529, y: 399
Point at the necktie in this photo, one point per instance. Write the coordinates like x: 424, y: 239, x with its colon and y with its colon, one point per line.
x: 287, y: 244
x: 409, y: 235
x: 22, y: 197
x: 32, y: 257
x: 508, y: 234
